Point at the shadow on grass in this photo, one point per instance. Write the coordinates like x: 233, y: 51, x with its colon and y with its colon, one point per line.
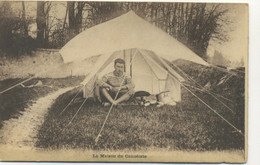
x: 14, y: 101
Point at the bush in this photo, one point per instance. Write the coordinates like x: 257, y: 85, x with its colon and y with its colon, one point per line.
x: 13, y: 39
x: 18, y: 45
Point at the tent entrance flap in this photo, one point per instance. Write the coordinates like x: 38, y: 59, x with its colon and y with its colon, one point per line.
x: 146, y: 73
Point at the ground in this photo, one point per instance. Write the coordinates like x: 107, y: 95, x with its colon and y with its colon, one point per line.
x: 13, y: 102
x: 188, y: 126
x: 182, y: 127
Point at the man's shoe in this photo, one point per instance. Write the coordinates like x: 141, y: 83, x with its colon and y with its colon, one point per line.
x: 106, y: 104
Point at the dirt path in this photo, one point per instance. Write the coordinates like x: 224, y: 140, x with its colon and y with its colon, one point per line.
x: 21, y: 132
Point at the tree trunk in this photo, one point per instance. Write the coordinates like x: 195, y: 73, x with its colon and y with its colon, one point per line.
x: 174, y: 20
x: 24, y: 20
x: 65, y: 18
x: 78, y: 17
x: 41, y: 22
x: 71, y: 10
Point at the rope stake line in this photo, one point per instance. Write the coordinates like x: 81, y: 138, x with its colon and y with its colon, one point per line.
x: 99, y: 134
x: 204, y: 89
x: 215, y: 111
x: 80, y: 106
x: 110, y: 109
x: 224, y: 70
x: 239, y: 131
x: 222, y: 103
x: 77, y: 112
x: 199, y: 89
x: 64, y: 109
x: 199, y: 84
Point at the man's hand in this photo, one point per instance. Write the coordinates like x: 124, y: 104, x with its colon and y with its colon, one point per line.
x: 107, y: 86
x: 115, y: 89
x: 99, y: 99
x: 115, y: 103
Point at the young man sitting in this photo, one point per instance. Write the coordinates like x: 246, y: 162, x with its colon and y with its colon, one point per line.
x: 115, y: 82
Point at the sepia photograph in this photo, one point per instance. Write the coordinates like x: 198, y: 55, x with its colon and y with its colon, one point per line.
x: 92, y: 81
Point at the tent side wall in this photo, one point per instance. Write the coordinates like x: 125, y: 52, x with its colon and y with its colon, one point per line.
x: 90, y: 80
x: 174, y: 87
x: 146, y: 74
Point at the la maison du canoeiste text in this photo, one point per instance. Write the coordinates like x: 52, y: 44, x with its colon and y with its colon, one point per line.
x: 127, y: 156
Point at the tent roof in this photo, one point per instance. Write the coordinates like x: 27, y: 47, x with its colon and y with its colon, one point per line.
x: 125, y: 32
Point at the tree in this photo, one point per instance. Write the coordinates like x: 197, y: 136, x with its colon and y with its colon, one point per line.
x: 71, y: 10
x: 13, y: 38
x: 104, y: 11
x: 193, y: 24
x: 41, y: 23
x: 75, y: 12
x: 42, y: 20
x: 205, y: 26
x: 24, y: 20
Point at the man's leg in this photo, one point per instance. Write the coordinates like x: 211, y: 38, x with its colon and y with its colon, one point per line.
x: 107, y: 96
x: 97, y: 96
x: 125, y: 96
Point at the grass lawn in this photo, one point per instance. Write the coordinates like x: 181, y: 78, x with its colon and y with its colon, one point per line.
x: 187, y: 126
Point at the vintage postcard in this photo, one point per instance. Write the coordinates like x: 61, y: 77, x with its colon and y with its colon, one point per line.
x: 123, y: 81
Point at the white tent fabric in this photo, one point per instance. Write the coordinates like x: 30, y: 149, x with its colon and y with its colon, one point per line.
x: 126, y: 32
x: 147, y: 74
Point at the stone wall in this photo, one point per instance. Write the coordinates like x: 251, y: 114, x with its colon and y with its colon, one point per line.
x: 46, y: 63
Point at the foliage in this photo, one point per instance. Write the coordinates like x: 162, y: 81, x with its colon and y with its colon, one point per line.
x: 193, y: 24
x: 60, y: 37
x: 42, y: 20
x: 13, y: 39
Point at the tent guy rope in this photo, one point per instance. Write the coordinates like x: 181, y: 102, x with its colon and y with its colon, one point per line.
x: 110, y: 109
x: 77, y: 112
x: 199, y: 84
x: 65, y: 108
x: 239, y: 131
x: 224, y: 70
x: 207, y: 91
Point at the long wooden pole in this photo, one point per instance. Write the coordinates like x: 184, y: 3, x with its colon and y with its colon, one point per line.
x: 16, y: 85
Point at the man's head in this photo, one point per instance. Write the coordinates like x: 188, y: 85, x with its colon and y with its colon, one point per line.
x: 119, y: 65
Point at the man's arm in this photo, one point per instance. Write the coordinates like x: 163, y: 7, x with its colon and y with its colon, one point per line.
x: 106, y: 85
x: 129, y: 83
x: 103, y: 82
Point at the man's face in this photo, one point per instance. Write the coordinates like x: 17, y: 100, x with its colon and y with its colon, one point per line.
x: 119, y: 68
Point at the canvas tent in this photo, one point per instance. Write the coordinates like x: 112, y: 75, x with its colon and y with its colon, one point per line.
x: 147, y: 71
x: 141, y: 44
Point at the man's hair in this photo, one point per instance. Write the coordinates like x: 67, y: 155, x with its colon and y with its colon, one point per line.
x: 119, y: 60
